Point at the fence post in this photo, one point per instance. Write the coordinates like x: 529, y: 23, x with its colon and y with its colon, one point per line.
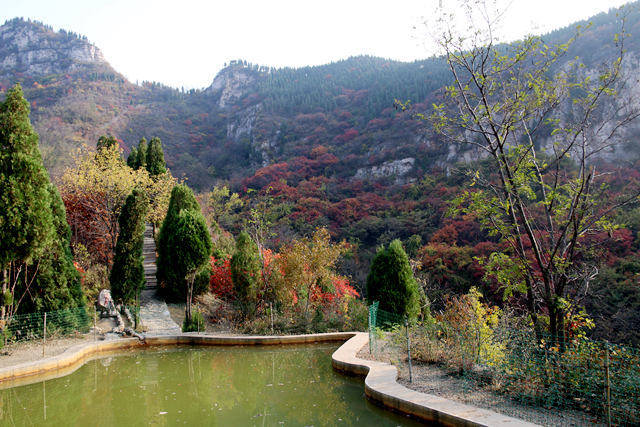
x: 44, y: 333
x: 372, y: 324
x: 271, y: 316
x: 406, y: 328
x: 607, y: 384
x: 95, y: 326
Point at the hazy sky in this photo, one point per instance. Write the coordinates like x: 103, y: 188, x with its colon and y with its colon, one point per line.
x: 185, y: 42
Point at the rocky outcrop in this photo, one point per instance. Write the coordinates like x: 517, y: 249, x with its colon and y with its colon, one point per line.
x: 34, y: 49
x: 394, y: 168
x: 231, y: 84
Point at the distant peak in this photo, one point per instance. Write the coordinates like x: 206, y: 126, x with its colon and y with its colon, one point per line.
x: 35, y: 49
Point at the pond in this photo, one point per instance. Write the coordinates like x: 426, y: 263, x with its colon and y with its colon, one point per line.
x: 225, y: 386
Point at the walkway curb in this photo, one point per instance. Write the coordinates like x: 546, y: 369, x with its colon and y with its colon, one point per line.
x: 380, y: 386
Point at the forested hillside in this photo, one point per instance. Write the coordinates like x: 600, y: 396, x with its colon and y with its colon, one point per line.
x: 326, y: 146
x: 251, y: 116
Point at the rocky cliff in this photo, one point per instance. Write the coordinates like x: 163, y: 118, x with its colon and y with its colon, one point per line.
x: 28, y: 47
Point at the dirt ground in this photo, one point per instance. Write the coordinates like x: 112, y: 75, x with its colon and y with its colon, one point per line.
x: 29, y: 351
x: 224, y: 328
x: 432, y: 379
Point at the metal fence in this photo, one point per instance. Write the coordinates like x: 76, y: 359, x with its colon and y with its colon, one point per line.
x: 24, y: 327
x: 514, y: 372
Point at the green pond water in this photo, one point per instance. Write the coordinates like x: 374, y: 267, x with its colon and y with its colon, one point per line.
x: 217, y: 386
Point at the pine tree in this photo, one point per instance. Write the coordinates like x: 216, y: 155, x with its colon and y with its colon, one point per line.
x: 141, y: 162
x: 193, y: 243
x: 391, y: 282
x: 127, y: 275
x: 245, y: 272
x: 132, y: 159
x: 57, y: 282
x: 26, y: 222
x: 170, y: 281
x: 155, y: 158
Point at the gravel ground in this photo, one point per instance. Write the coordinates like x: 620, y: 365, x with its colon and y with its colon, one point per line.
x: 435, y: 380
x: 30, y: 351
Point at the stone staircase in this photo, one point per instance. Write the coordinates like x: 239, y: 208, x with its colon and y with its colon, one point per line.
x: 154, y: 314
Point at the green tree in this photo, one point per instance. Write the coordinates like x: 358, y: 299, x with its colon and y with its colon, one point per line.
x: 170, y: 280
x: 106, y: 141
x: 141, y: 162
x: 391, y: 282
x: 132, y: 159
x: 155, y: 158
x: 57, y: 283
x: 245, y: 272
x: 26, y: 222
x: 191, y: 238
x: 127, y: 275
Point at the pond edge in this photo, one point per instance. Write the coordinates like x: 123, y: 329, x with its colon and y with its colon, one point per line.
x: 380, y: 378
x: 380, y: 386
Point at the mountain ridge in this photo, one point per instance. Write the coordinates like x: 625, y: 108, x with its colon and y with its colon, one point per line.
x: 250, y: 116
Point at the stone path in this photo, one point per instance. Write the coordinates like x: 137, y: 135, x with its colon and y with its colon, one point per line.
x: 154, y: 314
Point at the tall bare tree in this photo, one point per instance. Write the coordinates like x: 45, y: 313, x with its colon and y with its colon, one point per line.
x: 541, y: 122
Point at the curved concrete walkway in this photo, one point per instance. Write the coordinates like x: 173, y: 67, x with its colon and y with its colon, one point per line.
x: 380, y: 386
x: 154, y: 314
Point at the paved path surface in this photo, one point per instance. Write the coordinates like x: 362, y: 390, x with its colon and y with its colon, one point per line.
x: 154, y: 313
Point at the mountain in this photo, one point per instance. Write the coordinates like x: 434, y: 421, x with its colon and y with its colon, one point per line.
x: 252, y: 117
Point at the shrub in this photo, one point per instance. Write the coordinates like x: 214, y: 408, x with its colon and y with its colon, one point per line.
x: 196, y: 324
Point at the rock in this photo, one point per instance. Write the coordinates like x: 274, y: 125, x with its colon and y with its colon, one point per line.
x: 34, y: 49
x: 231, y: 83
x: 397, y: 168
x: 105, y: 303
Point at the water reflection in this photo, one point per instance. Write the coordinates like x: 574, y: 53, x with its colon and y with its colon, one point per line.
x: 200, y: 386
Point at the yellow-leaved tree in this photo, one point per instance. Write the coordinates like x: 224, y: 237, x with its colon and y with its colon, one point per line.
x: 94, y: 190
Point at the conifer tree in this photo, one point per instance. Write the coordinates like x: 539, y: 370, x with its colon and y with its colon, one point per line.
x: 26, y: 222
x: 141, y: 162
x: 170, y: 281
x: 155, y: 158
x: 132, y: 159
x: 391, y: 282
x: 245, y: 272
x: 193, y: 243
x: 127, y: 275
x: 57, y: 282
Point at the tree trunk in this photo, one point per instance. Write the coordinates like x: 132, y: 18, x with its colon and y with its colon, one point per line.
x: 5, y: 281
x: 187, y: 311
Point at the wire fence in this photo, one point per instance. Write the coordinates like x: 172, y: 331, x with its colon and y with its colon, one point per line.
x: 512, y: 371
x: 31, y: 326
x: 57, y: 324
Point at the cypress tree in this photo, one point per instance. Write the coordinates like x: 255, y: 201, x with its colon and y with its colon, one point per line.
x: 141, y: 162
x: 57, y: 283
x: 391, y: 282
x: 245, y: 272
x: 132, y: 159
x: 193, y: 246
x: 155, y: 158
x: 127, y: 274
x: 170, y: 281
x: 26, y: 222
